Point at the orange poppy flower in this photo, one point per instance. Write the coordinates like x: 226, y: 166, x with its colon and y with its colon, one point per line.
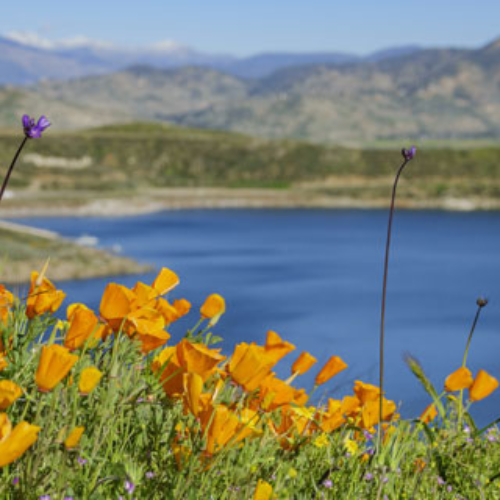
x: 42, y: 297
x: 249, y: 365
x: 9, y: 392
x: 458, y: 380
x: 277, y: 347
x: 263, y: 491
x: 167, y: 365
x: 198, y: 358
x: 6, y: 301
x: 484, y: 384
x: 89, y: 378
x: 165, y: 281
x: 303, y: 363
x: 143, y: 296
x: 55, y: 363
x: 116, y: 304
x: 366, y: 392
x: 370, y: 413
x: 350, y: 406
x: 83, y: 323
x: 429, y: 414
x: 274, y: 393
x: 332, y: 367
x: 73, y: 438
x: 15, y: 442
x: 167, y: 310
x: 182, y: 306
x: 213, y: 308
x: 220, y: 425
x: 193, y: 385
x: 149, y: 325
x: 3, y: 362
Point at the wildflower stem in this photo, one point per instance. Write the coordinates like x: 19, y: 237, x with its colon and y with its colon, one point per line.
x: 384, y: 291
x: 11, y: 168
x: 471, y: 333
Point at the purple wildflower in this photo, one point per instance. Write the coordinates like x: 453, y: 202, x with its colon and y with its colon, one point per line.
x: 129, y: 487
x: 150, y: 475
x: 68, y: 498
x: 449, y: 489
x: 273, y: 477
x: 466, y: 429
x: 44, y: 497
x: 327, y: 483
x: 368, y: 476
x: 408, y: 154
x: 370, y: 451
x: 367, y: 435
x: 470, y: 440
x: 81, y: 461
x: 385, y: 479
x: 32, y: 130
x: 15, y: 481
x: 491, y: 438
x: 441, y: 481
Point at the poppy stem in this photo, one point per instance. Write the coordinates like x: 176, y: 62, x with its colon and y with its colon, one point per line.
x: 11, y: 168
x: 384, y: 292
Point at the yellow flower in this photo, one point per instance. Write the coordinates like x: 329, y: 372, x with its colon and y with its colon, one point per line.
x: 351, y: 446
x: 73, y: 438
x: 89, y: 378
x: 321, y: 441
x: 9, y: 392
x: 55, y: 363
x: 292, y: 473
x: 263, y: 491
x: 14, y: 442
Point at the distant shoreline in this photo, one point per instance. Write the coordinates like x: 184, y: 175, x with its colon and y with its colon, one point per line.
x: 157, y: 200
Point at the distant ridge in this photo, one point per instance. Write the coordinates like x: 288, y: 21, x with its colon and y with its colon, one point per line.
x: 408, y: 93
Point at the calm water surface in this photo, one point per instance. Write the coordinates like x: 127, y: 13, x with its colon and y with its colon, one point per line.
x: 315, y: 278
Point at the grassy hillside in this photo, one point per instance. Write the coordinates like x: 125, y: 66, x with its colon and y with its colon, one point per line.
x: 23, y: 251
x: 124, y: 161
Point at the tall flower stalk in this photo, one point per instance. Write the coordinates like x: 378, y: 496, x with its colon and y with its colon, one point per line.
x: 408, y: 155
x: 32, y: 130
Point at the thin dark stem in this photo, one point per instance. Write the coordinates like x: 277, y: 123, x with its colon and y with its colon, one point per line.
x: 384, y: 290
x: 480, y: 304
x: 11, y: 168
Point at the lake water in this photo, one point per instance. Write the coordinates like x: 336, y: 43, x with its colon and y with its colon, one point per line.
x: 315, y: 277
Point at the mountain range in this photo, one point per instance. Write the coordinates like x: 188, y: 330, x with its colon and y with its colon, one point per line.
x: 405, y: 93
x: 28, y: 59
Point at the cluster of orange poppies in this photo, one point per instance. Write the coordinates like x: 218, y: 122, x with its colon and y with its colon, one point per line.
x: 229, y: 398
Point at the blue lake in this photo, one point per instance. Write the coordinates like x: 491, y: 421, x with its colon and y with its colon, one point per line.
x: 315, y: 277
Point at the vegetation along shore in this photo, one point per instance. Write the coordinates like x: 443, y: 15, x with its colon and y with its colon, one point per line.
x: 142, y: 167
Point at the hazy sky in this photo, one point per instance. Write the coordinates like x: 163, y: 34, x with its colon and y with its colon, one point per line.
x: 249, y: 26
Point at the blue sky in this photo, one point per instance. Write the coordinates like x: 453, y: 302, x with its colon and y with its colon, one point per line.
x: 249, y: 26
